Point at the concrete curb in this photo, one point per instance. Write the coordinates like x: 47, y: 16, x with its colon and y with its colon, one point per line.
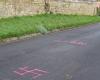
x: 14, y: 39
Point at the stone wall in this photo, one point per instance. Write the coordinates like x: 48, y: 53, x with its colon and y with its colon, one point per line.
x: 29, y: 7
x: 20, y: 7
x: 76, y: 8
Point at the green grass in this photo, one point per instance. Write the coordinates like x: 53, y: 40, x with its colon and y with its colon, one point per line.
x: 18, y: 26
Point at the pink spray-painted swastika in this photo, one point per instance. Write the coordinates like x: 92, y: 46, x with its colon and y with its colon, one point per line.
x: 73, y: 42
x: 27, y: 71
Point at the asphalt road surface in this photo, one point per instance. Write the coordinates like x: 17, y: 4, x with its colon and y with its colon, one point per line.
x: 65, y: 55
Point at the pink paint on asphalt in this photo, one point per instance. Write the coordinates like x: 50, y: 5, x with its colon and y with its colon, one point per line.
x: 27, y: 71
x: 74, y: 42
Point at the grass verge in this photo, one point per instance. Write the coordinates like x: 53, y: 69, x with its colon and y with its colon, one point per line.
x: 18, y: 26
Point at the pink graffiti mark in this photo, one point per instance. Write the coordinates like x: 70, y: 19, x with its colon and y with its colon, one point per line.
x: 27, y: 71
x: 74, y: 42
